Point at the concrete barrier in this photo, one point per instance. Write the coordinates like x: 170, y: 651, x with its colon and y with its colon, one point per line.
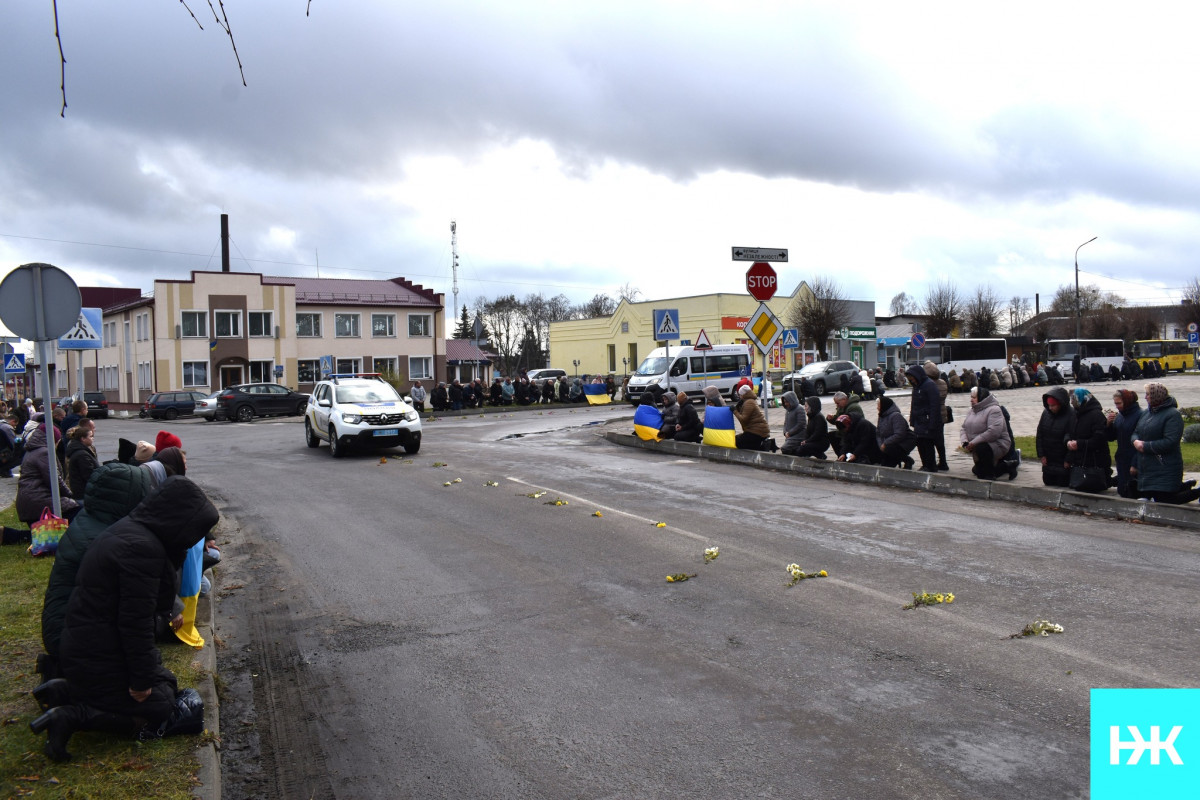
x: 1100, y: 505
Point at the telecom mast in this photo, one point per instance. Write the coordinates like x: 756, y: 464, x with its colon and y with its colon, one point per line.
x: 454, y: 255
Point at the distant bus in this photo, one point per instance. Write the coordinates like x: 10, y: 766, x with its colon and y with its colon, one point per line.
x: 1105, y: 352
x: 960, y: 354
x: 1169, y: 353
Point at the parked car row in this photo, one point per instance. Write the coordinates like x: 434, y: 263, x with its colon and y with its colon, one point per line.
x: 242, y: 402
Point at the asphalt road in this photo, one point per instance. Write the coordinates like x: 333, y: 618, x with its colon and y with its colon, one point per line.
x: 385, y: 635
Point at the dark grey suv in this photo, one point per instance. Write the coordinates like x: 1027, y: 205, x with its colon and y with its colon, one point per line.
x: 819, y: 377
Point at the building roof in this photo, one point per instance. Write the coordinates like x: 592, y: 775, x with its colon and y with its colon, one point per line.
x: 464, y: 351
x: 348, y: 291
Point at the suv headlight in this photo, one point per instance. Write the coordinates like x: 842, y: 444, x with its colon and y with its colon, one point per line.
x: 410, y: 416
x: 351, y: 419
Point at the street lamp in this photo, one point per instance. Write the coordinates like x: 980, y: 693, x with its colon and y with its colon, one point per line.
x: 1079, y: 313
x: 576, y: 363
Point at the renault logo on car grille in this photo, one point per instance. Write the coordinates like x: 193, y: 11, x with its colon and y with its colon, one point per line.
x: 383, y: 419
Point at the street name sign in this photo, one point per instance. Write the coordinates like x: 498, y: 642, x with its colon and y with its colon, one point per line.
x: 760, y: 254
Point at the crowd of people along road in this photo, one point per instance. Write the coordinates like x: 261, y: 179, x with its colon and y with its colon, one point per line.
x: 137, y: 525
x: 1071, y: 441
x: 520, y: 391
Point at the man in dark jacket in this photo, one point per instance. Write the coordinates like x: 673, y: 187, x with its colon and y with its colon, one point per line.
x: 858, y: 437
x: 925, y: 415
x: 114, y: 671
x: 1087, y: 445
x: 689, y: 428
x: 113, y: 491
x: 1056, y: 424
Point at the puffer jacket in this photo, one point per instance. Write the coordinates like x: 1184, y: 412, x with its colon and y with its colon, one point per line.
x: 794, y: 420
x: 1053, y: 430
x: 816, y: 432
x: 690, y: 426
x: 1121, y: 431
x: 115, y: 490
x: 1091, y: 434
x: 33, y: 488
x: 81, y: 463
x: 751, y: 416
x: 107, y: 645
x: 860, y: 440
x: 892, y: 431
x: 670, y: 412
x: 984, y: 424
x: 925, y: 413
x: 1160, y: 464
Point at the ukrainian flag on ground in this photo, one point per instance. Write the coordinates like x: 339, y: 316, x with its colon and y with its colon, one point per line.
x: 646, y: 422
x: 597, y: 394
x: 718, y: 426
x: 189, y: 593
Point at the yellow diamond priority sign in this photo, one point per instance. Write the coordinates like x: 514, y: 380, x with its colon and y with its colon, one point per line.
x: 763, y: 328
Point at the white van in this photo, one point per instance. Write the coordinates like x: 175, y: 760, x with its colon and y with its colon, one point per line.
x: 689, y: 370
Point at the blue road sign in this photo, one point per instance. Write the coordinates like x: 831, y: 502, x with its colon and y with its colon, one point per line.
x: 918, y: 340
x: 791, y: 338
x: 1194, y: 338
x: 326, y: 366
x: 14, y: 364
x: 86, y: 333
x: 666, y: 324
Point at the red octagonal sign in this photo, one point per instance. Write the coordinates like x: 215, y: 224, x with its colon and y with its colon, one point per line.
x: 761, y: 281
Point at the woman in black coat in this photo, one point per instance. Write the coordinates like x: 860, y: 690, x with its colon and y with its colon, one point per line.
x: 859, y: 437
x: 1053, y: 430
x: 1087, y: 445
x: 114, y: 672
x: 689, y: 428
x: 81, y: 457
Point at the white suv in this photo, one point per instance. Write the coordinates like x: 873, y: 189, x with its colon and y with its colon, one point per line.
x: 363, y: 411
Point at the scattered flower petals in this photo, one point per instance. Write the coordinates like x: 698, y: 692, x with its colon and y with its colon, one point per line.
x: 710, y: 554
x: 597, y: 514
x: 679, y: 577
x: 447, y: 483
x: 457, y: 480
x: 491, y: 483
x: 556, y: 502
x: 660, y: 524
x: 1039, y: 627
x: 930, y: 599
x: 439, y: 463
x: 799, y: 574
x: 535, y: 495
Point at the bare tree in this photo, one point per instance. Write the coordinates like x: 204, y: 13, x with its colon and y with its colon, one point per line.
x: 1189, y: 309
x: 1140, y: 322
x: 505, y: 318
x: 903, y: 304
x: 1019, y: 310
x: 599, y: 306
x: 982, y: 313
x: 820, y: 314
x: 629, y: 293
x: 943, y: 308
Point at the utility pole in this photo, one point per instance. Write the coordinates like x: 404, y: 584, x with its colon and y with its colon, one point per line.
x: 454, y: 265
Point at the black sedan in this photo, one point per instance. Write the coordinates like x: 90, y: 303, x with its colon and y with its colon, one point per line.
x: 246, y: 401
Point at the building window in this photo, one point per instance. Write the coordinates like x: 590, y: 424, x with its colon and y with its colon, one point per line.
x: 195, y: 324
x: 624, y: 327
x: 61, y: 378
x: 383, y: 324
x: 262, y: 372
x: 258, y: 323
x: 228, y: 324
x: 308, y: 325
x: 348, y: 366
x: 345, y: 326
x: 195, y: 373
x: 109, y: 335
x: 308, y: 371
x: 144, y: 375
x: 106, y: 377
x: 420, y: 368
x: 385, y: 366
x: 142, y: 324
x: 420, y: 326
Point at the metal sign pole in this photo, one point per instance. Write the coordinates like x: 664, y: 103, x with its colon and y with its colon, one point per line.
x: 47, y: 415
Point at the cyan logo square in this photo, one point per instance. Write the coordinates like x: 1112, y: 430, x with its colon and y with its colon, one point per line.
x: 1145, y: 743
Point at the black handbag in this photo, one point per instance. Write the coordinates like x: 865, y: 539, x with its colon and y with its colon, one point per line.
x: 1088, y: 479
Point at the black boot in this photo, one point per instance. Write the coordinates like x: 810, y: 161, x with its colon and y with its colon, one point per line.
x: 16, y: 536
x: 52, y: 694
x: 59, y: 723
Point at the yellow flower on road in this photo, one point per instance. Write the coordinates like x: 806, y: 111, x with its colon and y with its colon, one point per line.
x: 660, y: 524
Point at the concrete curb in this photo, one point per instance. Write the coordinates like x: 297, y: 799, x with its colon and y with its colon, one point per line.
x: 208, y: 774
x: 1109, y: 506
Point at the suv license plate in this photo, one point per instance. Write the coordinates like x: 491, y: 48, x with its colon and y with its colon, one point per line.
x: 388, y: 432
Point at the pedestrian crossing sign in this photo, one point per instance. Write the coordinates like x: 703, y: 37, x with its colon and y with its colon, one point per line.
x: 791, y: 338
x: 14, y: 364
x: 666, y: 324
x: 85, y: 334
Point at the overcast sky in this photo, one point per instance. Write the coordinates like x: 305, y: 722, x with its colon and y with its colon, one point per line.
x: 582, y: 146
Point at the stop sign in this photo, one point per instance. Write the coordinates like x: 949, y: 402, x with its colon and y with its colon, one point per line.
x: 761, y: 281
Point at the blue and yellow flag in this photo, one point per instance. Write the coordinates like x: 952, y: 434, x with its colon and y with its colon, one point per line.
x: 646, y: 422
x: 718, y: 426
x: 189, y: 593
x: 596, y: 393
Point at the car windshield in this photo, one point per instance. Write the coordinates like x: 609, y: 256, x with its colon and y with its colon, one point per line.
x: 653, y: 366
x: 374, y: 393
x: 814, y: 369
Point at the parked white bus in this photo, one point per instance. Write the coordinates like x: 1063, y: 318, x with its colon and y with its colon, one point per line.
x: 1105, y: 352
x: 689, y: 370
x: 960, y: 354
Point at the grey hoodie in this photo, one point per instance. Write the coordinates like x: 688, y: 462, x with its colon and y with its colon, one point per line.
x: 795, y: 420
